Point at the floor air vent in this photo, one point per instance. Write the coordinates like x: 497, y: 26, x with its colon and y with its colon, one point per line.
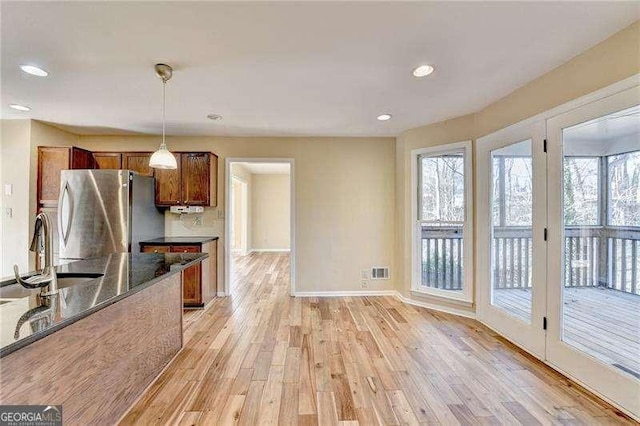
x: 380, y: 273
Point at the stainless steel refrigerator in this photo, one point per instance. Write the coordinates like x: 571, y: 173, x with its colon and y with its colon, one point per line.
x: 105, y: 211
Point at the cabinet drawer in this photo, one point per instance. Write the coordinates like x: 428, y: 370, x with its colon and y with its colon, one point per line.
x: 185, y: 249
x: 156, y: 249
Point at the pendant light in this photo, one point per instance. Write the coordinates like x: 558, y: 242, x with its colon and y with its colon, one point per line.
x: 162, y: 158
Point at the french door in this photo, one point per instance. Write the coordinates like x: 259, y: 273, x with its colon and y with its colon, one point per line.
x: 558, y: 247
x: 511, y: 251
x: 593, y: 296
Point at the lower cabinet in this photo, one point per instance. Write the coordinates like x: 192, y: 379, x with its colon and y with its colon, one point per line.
x: 199, y: 282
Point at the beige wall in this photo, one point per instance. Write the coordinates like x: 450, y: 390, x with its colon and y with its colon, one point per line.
x: 14, y: 169
x: 270, y: 206
x: 612, y: 60
x: 345, y: 195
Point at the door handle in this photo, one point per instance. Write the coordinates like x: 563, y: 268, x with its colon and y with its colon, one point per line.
x: 65, y: 195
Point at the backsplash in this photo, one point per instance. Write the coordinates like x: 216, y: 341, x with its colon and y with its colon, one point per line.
x: 205, y: 224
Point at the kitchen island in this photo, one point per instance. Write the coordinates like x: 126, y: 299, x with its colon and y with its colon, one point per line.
x: 96, y: 345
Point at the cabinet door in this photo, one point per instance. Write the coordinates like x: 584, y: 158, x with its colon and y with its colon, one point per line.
x: 82, y: 159
x: 168, y: 185
x: 108, y: 160
x: 156, y: 249
x: 191, y: 278
x: 51, y: 160
x: 138, y: 162
x: 196, y: 176
x: 213, y: 185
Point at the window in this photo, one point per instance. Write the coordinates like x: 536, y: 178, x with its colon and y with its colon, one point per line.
x: 624, y: 189
x: 442, y: 235
x: 581, y: 190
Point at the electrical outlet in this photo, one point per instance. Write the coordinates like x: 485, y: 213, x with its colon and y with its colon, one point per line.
x: 363, y: 284
x: 364, y: 274
x: 197, y: 221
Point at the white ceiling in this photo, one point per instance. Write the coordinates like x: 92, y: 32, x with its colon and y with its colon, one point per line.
x: 284, y: 69
x: 266, y: 168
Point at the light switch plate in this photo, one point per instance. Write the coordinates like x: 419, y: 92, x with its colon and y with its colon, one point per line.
x: 8, y: 212
x: 8, y: 189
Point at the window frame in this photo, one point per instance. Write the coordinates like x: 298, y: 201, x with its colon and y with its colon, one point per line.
x: 466, y: 294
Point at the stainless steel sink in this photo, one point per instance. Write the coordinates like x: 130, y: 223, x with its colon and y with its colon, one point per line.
x: 14, y: 290
x: 68, y: 282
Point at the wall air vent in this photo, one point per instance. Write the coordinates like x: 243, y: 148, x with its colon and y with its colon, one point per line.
x: 380, y: 273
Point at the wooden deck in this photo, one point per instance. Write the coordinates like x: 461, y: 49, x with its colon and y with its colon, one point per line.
x: 602, y: 322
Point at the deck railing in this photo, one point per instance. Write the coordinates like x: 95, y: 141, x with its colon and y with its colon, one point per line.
x: 594, y: 256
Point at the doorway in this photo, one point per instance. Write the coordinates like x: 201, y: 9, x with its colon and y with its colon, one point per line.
x: 559, y: 242
x: 260, y: 225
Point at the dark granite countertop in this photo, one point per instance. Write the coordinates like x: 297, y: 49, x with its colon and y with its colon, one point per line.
x: 26, y: 317
x: 165, y: 241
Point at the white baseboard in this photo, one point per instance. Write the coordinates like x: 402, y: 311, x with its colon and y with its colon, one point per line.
x: 360, y: 293
x: 276, y: 250
x: 356, y: 293
x: 435, y: 307
x: 221, y: 294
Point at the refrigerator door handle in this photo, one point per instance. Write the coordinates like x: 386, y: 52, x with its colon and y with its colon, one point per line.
x: 65, y: 197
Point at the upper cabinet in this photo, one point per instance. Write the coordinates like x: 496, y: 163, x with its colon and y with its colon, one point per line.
x: 193, y: 183
x: 196, y: 177
x: 169, y: 185
x: 51, y: 161
x: 138, y: 162
x: 108, y: 160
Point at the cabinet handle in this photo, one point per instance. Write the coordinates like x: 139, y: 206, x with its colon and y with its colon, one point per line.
x: 185, y: 251
x: 155, y: 251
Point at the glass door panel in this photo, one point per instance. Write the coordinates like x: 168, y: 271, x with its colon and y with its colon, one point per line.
x: 511, y: 251
x: 601, y: 256
x: 511, y: 229
x: 593, y: 303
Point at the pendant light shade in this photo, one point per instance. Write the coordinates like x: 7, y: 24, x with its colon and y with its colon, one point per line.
x: 162, y: 158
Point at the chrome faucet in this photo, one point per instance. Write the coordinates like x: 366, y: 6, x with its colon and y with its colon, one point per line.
x: 42, y: 240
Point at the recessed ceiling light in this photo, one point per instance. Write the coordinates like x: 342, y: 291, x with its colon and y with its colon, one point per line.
x: 33, y: 70
x: 422, y: 71
x: 20, y: 107
x: 384, y: 117
x: 214, y: 117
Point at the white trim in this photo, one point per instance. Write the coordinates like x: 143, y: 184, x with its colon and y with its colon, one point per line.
x: 436, y: 307
x: 275, y: 250
x: 244, y: 243
x: 227, y: 207
x: 466, y: 294
x: 354, y: 293
x: 221, y: 294
x: 446, y: 298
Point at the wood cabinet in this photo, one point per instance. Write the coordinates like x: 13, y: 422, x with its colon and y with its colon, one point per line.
x: 193, y: 183
x: 199, y: 282
x: 169, y: 185
x: 138, y: 162
x: 51, y: 161
x: 196, y: 176
x: 108, y: 160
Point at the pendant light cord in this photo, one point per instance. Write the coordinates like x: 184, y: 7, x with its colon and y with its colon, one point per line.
x: 164, y: 86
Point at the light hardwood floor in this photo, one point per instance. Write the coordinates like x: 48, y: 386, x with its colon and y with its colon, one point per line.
x: 261, y: 357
